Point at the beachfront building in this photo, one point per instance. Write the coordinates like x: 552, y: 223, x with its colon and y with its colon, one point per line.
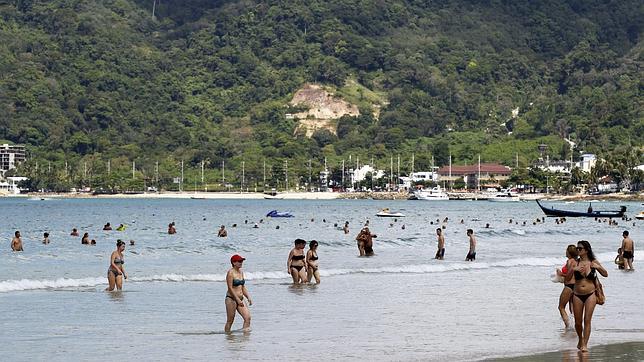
x: 491, y: 174
x: 425, y: 176
x: 11, y: 156
x: 588, y: 161
x: 10, y: 185
x: 360, y: 174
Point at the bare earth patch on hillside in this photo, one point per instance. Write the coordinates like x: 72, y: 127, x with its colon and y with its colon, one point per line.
x: 323, y: 109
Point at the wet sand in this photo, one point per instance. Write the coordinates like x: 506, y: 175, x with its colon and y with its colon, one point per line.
x: 626, y: 352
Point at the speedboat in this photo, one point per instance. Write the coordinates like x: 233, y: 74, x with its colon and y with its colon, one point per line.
x: 435, y: 194
x: 640, y: 216
x: 387, y: 213
x: 273, y: 195
x: 505, y: 196
x: 275, y: 213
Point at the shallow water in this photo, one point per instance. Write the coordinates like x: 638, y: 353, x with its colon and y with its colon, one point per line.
x: 400, y: 304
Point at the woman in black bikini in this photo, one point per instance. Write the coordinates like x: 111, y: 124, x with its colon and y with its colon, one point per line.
x: 116, y: 271
x: 235, y: 295
x: 296, y: 262
x: 312, y: 262
x: 583, y: 300
x: 569, y: 283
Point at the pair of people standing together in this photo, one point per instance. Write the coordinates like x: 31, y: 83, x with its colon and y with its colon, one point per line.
x: 581, y: 286
x: 440, y: 252
x: 303, y: 267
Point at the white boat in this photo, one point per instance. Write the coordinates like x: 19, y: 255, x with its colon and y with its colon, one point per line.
x: 388, y: 213
x: 273, y: 195
x: 435, y: 194
x: 505, y: 196
x: 640, y: 216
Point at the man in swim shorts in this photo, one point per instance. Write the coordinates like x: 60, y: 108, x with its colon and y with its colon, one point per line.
x: 628, y: 251
x: 440, y: 253
x: 471, y: 255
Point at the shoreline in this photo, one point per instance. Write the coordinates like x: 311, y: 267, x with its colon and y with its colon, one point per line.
x: 625, y: 351
x: 320, y: 196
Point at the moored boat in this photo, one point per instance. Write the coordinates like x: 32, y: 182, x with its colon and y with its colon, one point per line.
x: 640, y: 216
x: 434, y: 194
x: 590, y: 213
x: 388, y: 213
x: 505, y: 196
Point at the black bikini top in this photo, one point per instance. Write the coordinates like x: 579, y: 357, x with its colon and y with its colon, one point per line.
x: 297, y: 257
x: 590, y: 276
x: 313, y: 257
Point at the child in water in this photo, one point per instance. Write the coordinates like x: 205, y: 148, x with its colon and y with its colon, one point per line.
x: 619, y: 259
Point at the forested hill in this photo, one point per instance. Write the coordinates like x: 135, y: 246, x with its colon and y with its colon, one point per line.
x: 88, y: 80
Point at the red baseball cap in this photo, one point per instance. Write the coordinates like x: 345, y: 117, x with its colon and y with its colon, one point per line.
x: 236, y: 257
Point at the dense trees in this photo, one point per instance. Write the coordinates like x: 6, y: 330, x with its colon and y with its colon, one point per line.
x: 210, y: 80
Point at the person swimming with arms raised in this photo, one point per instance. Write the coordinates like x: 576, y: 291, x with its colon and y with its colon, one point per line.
x: 116, y: 271
x: 236, y: 291
x: 296, y: 262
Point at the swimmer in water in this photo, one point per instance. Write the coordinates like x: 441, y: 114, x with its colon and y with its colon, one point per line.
x: 236, y: 291
x: 171, y: 229
x: 116, y: 271
x: 312, y: 262
x: 471, y: 254
x: 16, y: 242
x: 85, y: 239
x: 296, y: 262
x: 346, y: 227
x: 74, y: 232
x: 440, y: 253
x: 222, y: 233
x: 107, y: 227
x: 45, y: 239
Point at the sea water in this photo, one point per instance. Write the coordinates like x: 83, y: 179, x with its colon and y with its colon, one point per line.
x: 399, y: 304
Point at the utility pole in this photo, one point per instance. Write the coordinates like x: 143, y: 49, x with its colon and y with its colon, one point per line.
x: 398, y: 175
x: 309, y: 188
x: 478, y: 179
x: 450, y: 170
x: 133, y: 169
x: 156, y: 173
x: 264, y: 184
x: 202, y: 171
x: 391, y: 172
x: 243, y: 175
x: 108, y: 167
x: 286, y: 174
x: 342, y: 175
x: 181, y: 180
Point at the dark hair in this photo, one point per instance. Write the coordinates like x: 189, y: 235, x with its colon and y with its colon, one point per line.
x: 313, y: 243
x: 119, y: 242
x: 571, y: 250
x: 300, y: 241
x: 439, y: 229
x: 625, y: 233
x: 46, y: 235
x: 470, y: 231
x: 589, y: 249
x: 16, y: 233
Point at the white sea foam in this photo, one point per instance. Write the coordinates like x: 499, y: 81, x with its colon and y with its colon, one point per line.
x: 64, y: 283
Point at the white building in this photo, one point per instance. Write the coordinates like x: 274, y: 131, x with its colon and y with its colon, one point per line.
x: 11, y: 156
x: 588, y: 161
x: 10, y: 186
x: 361, y: 173
x: 425, y: 176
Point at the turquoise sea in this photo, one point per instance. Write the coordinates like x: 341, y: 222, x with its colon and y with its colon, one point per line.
x: 399, y: 304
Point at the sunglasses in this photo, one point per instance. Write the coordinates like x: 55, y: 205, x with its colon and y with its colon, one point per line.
x: 581, y: 248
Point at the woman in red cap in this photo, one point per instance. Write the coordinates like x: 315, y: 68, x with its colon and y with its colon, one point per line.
x: 236, y: 293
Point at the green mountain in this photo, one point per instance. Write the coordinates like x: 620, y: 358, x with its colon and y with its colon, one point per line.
x: 84, y: 81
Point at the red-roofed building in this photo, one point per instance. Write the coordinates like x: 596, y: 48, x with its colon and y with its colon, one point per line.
x: 491, y: 174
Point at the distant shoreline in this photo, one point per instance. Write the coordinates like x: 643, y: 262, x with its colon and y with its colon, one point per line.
x: 321, y: 196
